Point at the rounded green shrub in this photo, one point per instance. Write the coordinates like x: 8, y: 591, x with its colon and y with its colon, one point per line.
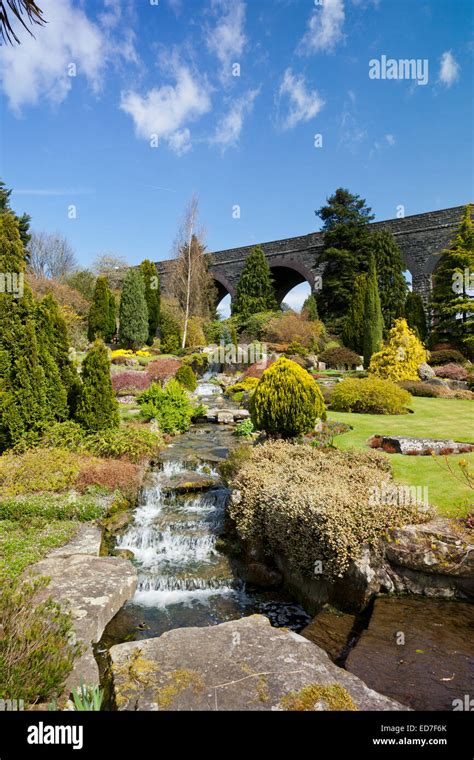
x: 370, y: 395
x: 287, y: 401
x: 186, y: 377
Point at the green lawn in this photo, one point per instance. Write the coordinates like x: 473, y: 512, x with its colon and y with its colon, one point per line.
x: 432, y: 418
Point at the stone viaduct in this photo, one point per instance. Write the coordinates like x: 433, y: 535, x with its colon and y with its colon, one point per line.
x: 421, y: 238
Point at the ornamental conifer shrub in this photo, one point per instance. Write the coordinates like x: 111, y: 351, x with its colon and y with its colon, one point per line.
x: 186, y: 377
x: 287, y: 401
x: 97, y: 407
x: 400, y: 356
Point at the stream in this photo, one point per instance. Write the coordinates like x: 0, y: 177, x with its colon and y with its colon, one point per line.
x: 183, y: 577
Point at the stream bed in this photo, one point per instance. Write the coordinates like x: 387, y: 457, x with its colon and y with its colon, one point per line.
x: 183, y: 577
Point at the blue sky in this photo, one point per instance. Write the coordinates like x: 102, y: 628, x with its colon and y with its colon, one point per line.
x: 148, y: 73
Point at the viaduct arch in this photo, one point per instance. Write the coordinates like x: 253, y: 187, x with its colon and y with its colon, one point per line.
x: 421, y: 237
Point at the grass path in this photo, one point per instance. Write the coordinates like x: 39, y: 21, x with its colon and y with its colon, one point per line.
x: 432, y: 418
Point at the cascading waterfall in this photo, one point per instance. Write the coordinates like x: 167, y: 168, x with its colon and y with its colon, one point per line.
x: 173, y: 541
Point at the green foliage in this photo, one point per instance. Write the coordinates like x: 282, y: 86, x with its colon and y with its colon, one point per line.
x: 244, y: 429
x: 401, y: 354
x: 152, y: 297
x: 354, y: 325
x: 287, y: 401
x: 112, y: 320
x: 415, y: 315
x: 23, y: 221
x: 186, y: 377
x: 36, y: 650
x: 346, y: 247
x: 245, y: 385
x: 37, y: 470
x: 446, y: 356
x: 335, y: 357
x: 25, y: 541
x: 373, y: 319
x: 169, y: 406
x: 391, y: 281
x: 296, y: 349
x: 370, y: 395
x: 134, y: 328
x: 170, y: 330
x: 452, y: 300
x: 417, y: 388
x: 87, y: 698
x: 198, y: 363
x: 101, y: 311
x: 97, y: 407
x: 310, y: 309
x: 83, y: 281
x: 255, y: 291
x: 51, y: 507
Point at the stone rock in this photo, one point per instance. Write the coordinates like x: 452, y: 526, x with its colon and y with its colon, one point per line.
x: 239, y: 665
x: 117, y: 521
x: 241, y: 414
x: 185, y: 482
x: 417, y: 651
x: 92, y: 589
x: 409, y: 445
x: 259, y: 574
x: 225, y: 417
x: 330, y: 630
x: 125, y: 553
x: 425, y: 372
x: 87, y: 540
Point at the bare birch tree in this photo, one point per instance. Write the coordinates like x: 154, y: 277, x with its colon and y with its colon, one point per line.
x: 191, y: 283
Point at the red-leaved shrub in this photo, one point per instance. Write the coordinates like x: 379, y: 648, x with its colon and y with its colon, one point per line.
x: 112, y: 475
x: 163, y: 369
x: 451, y: 372
x: 257, y: 369
x: 130, y: 382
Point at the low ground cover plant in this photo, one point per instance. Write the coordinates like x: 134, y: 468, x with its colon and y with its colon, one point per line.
x: 305, y: 503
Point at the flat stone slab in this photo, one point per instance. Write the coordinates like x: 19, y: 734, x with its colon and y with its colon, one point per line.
x: 331, y: 631
x: 420, y: 446
x: 86, y: 541
x: 226, y: 416
x: 239, y: 665
x: 92, y: 589
x: 418, y: 651
x: 186, y: 482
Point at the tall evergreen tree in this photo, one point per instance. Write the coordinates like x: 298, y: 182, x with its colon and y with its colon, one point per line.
x: 153, y: 298
x: 97, y: 407
x: 392, y: 284
x: 255, y: 291
x: 346, y: 251
x: 373, y: 319
x: 354, y: 325
x: 99, y: 322
x: 452, y: 300
x: 23, y: 393
x: 415, y: 315
x: 23, y: 220
x: 55, y: 336
x: 133, y: 332
x: 310, y: 308
x: 112, y: 320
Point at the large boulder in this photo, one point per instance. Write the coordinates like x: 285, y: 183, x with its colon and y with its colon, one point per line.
x: 240, y: 665
x: 425, y: 372
x: 92, y: 589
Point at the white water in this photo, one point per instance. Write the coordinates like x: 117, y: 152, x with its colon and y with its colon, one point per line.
x: 173, y: 542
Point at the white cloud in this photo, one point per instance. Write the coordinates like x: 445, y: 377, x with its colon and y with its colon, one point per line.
x: 227, y: 38
x: 164, y: 111
x: 449, y: 69
x: 390, y: 139
x: 324, y: 28
x: 230, y: 127
x: 303, y: 104
x: 40, y: 68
